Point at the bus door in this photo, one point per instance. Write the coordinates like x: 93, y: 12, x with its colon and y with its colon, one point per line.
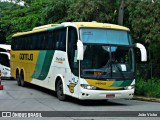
x: 73, y: 62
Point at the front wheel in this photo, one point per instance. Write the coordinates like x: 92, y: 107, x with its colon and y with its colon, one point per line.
x: 61, y: 96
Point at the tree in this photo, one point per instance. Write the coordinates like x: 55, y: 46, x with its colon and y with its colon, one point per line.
x: 100, y: 10
x: 121, y: 13
x: 143, y: 19
x: 55, y: 11
x: 17, y: 18
x: 2, y: 37
x: 80, y: 10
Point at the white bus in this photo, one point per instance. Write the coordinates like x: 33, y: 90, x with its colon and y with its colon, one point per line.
x: 5, y: 61
x: 85, y: 60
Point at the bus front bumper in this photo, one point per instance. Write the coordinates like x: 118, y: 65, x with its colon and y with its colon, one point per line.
x: 102, y: 95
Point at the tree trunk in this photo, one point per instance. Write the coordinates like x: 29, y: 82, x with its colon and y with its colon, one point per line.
x: 121, y: 13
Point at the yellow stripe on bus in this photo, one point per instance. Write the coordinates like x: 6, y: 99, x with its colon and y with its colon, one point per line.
x: 107, y: 85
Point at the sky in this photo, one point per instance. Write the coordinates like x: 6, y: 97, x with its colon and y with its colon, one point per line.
x: 20, y: 3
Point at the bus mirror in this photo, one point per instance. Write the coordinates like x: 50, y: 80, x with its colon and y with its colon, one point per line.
x: 79, y: 50
x: 142, y: 51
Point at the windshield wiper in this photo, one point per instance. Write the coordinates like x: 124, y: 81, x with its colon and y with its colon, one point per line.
x: 119, y: 69
x: 105, y: 69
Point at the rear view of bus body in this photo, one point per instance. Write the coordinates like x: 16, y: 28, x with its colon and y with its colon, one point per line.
x: 5, y: 60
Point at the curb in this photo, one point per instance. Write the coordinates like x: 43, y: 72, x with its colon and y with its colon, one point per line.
x: 146, y: 99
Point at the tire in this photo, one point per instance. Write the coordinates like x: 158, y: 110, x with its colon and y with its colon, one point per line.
x: 61, y: 96
x: 18, y: 79
x: 22, y: 80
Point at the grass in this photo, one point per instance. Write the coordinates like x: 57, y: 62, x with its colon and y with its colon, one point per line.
x: 148, y: 88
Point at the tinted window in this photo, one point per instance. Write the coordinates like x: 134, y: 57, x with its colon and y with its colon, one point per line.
x: 4, y: 60
x: 51, y: 40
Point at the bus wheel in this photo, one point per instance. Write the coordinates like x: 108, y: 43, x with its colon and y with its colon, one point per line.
x: 22, y: 79
x: 18, y: 79
x: 59, y: 91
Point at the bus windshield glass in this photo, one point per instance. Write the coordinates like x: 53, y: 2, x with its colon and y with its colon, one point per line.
x: 108, y: 56
x: 105, y: 36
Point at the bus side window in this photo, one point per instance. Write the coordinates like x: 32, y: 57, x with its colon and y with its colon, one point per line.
x: 35, y: 42
x: 43, y: 41
x: 46, y: 42
x: 17, y: 43
x: 50, y: 41
x: 39, y: 37
x: 55, y: 39
x: 25, y: 43
x: 13, y: 44
x: 29, y: 42
x: 60, y: 39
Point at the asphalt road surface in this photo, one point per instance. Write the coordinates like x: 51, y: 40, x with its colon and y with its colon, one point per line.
x: 33, y: 102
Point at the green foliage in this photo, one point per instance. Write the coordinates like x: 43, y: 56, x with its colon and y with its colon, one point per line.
x: 17, y: 18
x: 149, y: 88
x: 2, y: 37
x: 87, y: 10
x: 142, y: 17
x: 55, y: 11
x: 80, y: 10
x: 144, y: 20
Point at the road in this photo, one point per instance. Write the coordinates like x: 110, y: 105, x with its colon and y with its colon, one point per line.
x: 34, y: 98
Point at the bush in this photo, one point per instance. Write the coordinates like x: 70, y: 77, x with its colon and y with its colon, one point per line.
x: 148, y: 88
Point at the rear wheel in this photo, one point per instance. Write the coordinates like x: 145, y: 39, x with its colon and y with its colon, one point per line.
x: 61, y: 96
x: 22, y: 79
x: 18, y: 79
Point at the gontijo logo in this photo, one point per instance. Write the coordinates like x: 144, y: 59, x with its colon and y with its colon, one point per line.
x: 26, y: 56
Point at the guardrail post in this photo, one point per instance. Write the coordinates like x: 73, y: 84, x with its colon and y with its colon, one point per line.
x: 1, y: 86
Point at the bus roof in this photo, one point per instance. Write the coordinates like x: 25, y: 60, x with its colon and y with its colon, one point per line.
x: 77, y: 24
x: 100, y: 25
x: 5, y: 46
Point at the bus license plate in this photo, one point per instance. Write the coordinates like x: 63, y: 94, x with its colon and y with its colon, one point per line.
x: 110, y: 95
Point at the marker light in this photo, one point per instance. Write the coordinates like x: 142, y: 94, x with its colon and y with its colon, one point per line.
x: 129, y: 87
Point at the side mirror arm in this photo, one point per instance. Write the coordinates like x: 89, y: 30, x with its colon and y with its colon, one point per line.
x: 80, y: 51
x: 143, y: 51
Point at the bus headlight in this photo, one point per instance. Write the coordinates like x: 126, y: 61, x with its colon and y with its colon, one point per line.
x: 129, y: 87
x: 89, y: 87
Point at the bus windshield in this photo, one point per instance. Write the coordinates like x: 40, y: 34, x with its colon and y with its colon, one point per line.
x: 105, y: 36
x: 107, y: 54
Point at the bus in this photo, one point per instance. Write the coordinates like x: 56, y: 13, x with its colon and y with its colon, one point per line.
x: 5, y: 61
x: 84, y: 60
